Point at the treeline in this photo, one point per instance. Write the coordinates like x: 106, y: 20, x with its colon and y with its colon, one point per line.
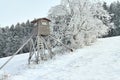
x: 114, y: 12
x: 11, y: 38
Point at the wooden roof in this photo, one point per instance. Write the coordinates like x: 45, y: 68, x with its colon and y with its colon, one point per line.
x: 36, y: 20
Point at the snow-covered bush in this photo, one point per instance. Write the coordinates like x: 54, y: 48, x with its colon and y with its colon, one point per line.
x: 79, y: 22
x: 4, y: 76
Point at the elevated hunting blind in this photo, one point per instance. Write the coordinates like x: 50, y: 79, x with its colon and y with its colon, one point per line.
x: 41, y: 33
x: 39, y: 42
x: 43, y: 28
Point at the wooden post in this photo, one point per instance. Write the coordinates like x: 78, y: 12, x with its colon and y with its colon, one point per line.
x: 16, y: 52
x: 48, y: 48
x: 32, y: 50
x: 38, y: 50
x: 62, y: 43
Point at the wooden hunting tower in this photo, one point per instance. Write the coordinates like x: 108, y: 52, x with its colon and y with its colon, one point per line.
x: 41, y: 39
x: 43, y: 28
x: 39, y: 42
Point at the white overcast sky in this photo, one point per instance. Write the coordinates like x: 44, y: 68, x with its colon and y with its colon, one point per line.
x: 13, y: 11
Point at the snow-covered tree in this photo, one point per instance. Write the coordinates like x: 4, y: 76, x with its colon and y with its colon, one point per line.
x: 79, y: 22
x: 11, y: 38
x: 60, y: 21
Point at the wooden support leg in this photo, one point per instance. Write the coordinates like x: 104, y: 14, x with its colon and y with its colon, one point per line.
x: 30, y: 54
x: 48, y: 47
x: 61, y: 43
x: 16, y: 52
x: 38, y: 50
x: 42, y: 50
x: 32, y: 50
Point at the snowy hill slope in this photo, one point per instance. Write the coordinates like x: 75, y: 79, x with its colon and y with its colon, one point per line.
x: 101, y: 61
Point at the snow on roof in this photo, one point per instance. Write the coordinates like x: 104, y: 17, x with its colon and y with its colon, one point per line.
x: 36, y: 20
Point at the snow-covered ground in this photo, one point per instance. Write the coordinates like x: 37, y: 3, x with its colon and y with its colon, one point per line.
x: 100, y: 61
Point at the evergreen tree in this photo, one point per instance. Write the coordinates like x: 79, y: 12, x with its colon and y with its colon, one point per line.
x: 11, y: 38
x: 114, y: 11
x: 105, y: 6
